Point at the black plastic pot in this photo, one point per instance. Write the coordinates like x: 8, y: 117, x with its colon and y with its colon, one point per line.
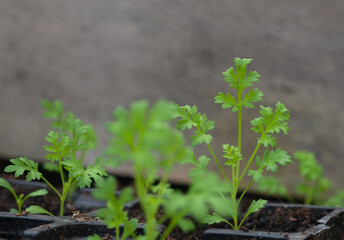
x: 83, y: 200
x: 41, y: 227
x: 330, y: 226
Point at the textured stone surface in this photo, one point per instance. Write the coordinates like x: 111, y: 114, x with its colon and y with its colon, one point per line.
x: 96, y: 55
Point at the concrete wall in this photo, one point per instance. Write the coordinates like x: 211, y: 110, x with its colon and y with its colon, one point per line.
x: 96, y: 55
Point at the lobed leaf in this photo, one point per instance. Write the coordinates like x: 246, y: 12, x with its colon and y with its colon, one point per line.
x: 201, y: 167
x: 256, y: 206
x: 129, y: 228
x: 232, y: 153
x: 22, y: 164
x: 214, y: 218
x: 254, y: 95
x: 227, y: 101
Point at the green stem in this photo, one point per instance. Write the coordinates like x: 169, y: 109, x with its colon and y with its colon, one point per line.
x: 65, y: 190
x: 51, y: 186
x: 61, y: 171
x: 117, y: 232
x: 150, y: 215
x: 239, y: 129
x: 171, y: 226
x: 62, y: 201
x: 244, y: 192
x: 249, y: 162
x: 217, y: 161
x: 20, y: 203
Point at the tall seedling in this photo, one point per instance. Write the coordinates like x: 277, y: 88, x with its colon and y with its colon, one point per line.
x: 271, y: 121
x: 144, y: 136
x: 64, y: 149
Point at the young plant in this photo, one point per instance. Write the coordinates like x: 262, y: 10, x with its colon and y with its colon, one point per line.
x: 114, y: 214
x: 21, y: 198
x: 314, y: 184
x: 144, y: 136
x: 64, y: 149
x: 271, y: 121
x: 312, y: 187
x: 60, y: 122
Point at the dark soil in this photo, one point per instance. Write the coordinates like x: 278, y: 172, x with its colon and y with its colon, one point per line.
x: 281, y: 220
x: 50, y: 202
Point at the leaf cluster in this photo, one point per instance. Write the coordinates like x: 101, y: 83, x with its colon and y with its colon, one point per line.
x: 114, y: 214
x: 65, y: 149
x: 269, y: 162
x: 271, y: 121
x: 144, y: 136
x: 67, y: 123
x: 21, y: 198
x: 312, y: 186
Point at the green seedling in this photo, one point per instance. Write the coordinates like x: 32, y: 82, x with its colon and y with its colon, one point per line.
x: 271, y: 121
x: 312, y: 188
x: 272, y: 186
x: 144, y: 136
x: 114, y: 214
x: 21, y: 198
x: 314, y: 183
x: 54, y: 110
x: 64, y: 149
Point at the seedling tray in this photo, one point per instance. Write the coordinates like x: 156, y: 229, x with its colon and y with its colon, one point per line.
x: 328, y: 226
x: 41, y: 227
x: 83, y: 200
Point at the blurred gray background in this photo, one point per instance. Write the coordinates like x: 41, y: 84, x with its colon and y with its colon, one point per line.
x: 94, y: 55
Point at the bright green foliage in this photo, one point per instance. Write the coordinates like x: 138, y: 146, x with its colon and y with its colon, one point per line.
x: 21, y: 198
x: 114, y: 214
x: 59, y: 147
x: 272, y: 186
x: 145, y: 136
x: 83, y: 176
x: 232, y: 154
x: 38, y: 210
x: 254, y: 207
x: 65, y: 148
x: 94, y: 237
x: 189, y: 117
x: 271, y: 121
x: 216, y: 218
x: 269, y: 161
x: 239, y: 80
x: 314, y: 184
x: 312, y: 187
x: 54, y: 110
x: 83, y: 135
x: 204, y: 192
x: 22, y: 164
x: 200, y: 166
x: 335, y: 201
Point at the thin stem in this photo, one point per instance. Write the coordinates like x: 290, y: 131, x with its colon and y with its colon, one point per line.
x: 172, y: 224
x: 66, y: 189
x: 117, y: 232
x: 61, y: 171
x: 244, y: 192
x: 217, y: 161
x: 239, y: 129
x: 52, y: 187
x: 20, y: 203
x: 249, y: 162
